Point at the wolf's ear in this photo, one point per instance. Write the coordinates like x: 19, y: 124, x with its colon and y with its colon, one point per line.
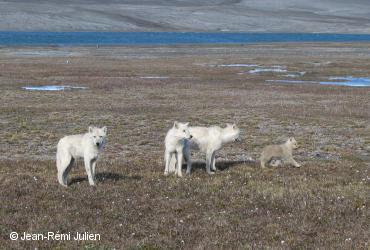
x: 176, y: 124
x: 186, y: 124
x: 104, y: 129
x: 91, y: 128
x: 228, y: 125
x: 234, y: 126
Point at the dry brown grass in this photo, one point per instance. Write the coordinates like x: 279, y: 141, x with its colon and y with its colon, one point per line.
x: 325, y: 204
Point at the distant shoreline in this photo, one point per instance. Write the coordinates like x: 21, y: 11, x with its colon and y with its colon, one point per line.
x: 88, y: 38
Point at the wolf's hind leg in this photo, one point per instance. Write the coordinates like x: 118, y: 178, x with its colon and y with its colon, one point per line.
x: 67, y: 170
x: 65, y: 163
x: 263, y: 161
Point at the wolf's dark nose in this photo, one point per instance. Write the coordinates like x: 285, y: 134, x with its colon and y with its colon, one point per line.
x: 97, y: 144
x: 191, y: 136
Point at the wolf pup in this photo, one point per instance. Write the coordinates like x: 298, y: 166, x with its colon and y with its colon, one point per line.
x: 174, y: 143
x: 282, y: 152
x: 209, y: 140
x: 86, y: 146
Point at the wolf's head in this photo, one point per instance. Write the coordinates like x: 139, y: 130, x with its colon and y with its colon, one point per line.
x: 98, y: 135
x: 181, y: 130
x: 292, y: 143
x: 231, y: 133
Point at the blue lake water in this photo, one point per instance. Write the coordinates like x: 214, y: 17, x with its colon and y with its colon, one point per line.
x: 51, y: 88
x: 348, y: 81
x: 158, y: 38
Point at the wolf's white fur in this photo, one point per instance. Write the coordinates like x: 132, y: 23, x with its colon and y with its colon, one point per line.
x: 281, y: 153
x: 209, y: 140
x: 174, y: 143
x: 86, y: 146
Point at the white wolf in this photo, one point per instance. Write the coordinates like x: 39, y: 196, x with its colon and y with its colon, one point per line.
x: 209, y: 140
x: 174, y: 143
x: 280, y: 153
x: 86, y: 146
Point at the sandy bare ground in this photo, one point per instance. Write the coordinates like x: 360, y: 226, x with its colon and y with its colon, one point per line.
x: 326, y: 16
x: 138, y: 92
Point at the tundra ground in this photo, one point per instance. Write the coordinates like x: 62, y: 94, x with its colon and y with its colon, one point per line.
x: 137, y: 92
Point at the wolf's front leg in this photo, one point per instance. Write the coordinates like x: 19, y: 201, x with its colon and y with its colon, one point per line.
x: 179, y: 156
x: 213, y: 160
x: 293, y: 162
x: 172, y: 167
x: 188, y: 167
x: 209, y: 162
x: 167, y: 157
x: 93, y: 172
x: 88, y: 168
x: 187, y: 159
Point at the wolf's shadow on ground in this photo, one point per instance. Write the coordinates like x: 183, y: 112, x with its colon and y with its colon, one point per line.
x: 220, y: 165
x: 196, y: 165
x: 105, y: 176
